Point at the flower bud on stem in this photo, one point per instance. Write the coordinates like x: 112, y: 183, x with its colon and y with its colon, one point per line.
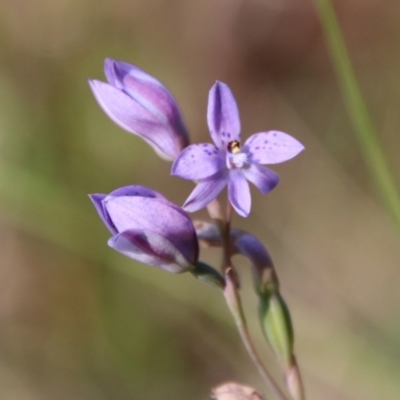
x: 274, y: 313
x: 277, y: 326
x: 234, y: 241
x: 235, y: 306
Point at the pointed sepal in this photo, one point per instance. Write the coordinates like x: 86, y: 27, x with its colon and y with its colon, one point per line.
x: 208, y: 274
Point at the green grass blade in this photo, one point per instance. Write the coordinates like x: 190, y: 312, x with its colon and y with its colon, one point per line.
x: 357, y: 109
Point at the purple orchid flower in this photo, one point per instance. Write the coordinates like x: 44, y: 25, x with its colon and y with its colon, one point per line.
x: 228, y: 162
x: 142, y: 105
x: 148, y: 228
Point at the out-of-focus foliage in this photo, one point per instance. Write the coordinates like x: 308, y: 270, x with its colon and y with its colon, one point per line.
x: 80, y: 322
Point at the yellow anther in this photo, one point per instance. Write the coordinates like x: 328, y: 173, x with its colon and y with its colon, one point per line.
x: 234, y: 147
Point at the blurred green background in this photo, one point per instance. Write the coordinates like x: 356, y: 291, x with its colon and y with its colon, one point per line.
x: 79, y: 321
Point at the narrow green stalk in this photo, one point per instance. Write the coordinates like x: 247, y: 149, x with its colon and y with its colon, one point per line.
x: 235, y: 306
x: 357, y: 109
x: 232, y: 295
x: 226, y: 238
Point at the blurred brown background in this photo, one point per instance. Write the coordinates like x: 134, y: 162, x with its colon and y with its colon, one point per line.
x: 79, y: 321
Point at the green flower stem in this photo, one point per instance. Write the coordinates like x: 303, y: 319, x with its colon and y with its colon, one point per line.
x: 226, y: 239
x: 235, y: 306
x: 232, y: 295
x: 356, y: 107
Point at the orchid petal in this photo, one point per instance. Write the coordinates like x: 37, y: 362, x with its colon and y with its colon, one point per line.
x: 133, y: 117
x: 151, y: 248
x: 141, y: 213
x: 97, y: 200
x: 272, y: 147
x: 198, y: 161
x: 263, y: 178
x: 137, y: 190
x: 239, y: 193
x: 223, y: 116
x: 151, y: 94
x: 143, y: 191
x: 132, y: 190
x: 112, y: 74
x: 206, y: 191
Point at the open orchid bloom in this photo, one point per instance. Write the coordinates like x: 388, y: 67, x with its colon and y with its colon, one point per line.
x: 228, y: 162
x: 148, y: 228
x: 142, y: 105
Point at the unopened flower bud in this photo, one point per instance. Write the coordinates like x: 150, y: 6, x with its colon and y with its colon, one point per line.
x: 277, y: 326
x: 142, y: 105
x: 148, y: 228
x: 264, y: 276
x: 208, y: 234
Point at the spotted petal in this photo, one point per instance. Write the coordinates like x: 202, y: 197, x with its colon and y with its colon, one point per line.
x: 262, y: 177
x: 239, y: 192
x: 198, y: 161
x: 272, y: 147
x: 151, y: 248
x: 223, y: 116
x: 141, y: 191
x: 206, y: 191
